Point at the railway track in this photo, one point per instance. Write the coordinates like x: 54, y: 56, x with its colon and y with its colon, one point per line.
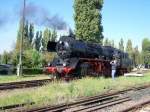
x: 136, y: 106
x: 23, y: 84
x: 87, y: 104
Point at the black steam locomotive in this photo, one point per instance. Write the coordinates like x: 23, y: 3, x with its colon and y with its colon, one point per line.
x: 77, y: 58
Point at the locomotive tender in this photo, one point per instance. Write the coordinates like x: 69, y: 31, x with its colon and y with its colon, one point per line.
x: 77, y: 58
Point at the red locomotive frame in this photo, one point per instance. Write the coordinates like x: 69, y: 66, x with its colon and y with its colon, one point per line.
x: 96, y: 67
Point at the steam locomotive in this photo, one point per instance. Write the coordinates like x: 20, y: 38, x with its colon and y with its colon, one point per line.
x: 77, y: 59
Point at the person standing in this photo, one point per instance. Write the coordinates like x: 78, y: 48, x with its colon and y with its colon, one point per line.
x: 113, y: 68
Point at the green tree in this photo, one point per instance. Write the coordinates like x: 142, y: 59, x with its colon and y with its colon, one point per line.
x: 36, y: 59
x: 88, y: 20
x: 53, y: 36
x: 47, y: 57
x: 145, y: 44
x: 112, y: 43
x: 26, y: 44
x: 37, y: 41
x: 32, y: 59
x: 27, y: 59
x: 15, y: 57
x: 121, y: 45
x: 26, y: 39
x: 129, y: 48
x: 106, y: 42
x: 31, y: 33
x: 146, y: 51
x: 46, y: 38
x: 5, y: 58
x: 136, y: 56
x: 19, y: 35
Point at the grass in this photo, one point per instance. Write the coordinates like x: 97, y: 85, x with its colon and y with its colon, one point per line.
x: 14, y: 78
x: 60, y: 92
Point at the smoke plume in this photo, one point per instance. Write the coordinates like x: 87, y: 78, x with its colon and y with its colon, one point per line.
x: 41, y: 16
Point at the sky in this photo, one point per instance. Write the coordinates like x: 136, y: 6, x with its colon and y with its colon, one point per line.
x: 127, y: 19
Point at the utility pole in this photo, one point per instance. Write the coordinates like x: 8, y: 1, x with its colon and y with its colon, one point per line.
x: 20, y: 67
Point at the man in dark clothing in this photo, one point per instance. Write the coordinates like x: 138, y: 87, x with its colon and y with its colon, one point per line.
x: 113, y: 68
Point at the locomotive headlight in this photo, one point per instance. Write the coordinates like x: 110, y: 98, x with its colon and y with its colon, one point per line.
x: 49, y: 64
x: 64, y: 64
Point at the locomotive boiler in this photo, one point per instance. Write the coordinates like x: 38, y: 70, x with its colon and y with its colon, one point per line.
x: 77, y: 58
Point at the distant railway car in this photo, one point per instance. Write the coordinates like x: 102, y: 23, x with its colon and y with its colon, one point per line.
x: 77, y: 59
x: 6, y: 69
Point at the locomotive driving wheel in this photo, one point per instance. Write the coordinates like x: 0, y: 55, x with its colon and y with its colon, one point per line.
x: 84, y: 68
x: 56, y: 76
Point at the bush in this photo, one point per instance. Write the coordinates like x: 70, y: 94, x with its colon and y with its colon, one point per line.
x: 31, y: 71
